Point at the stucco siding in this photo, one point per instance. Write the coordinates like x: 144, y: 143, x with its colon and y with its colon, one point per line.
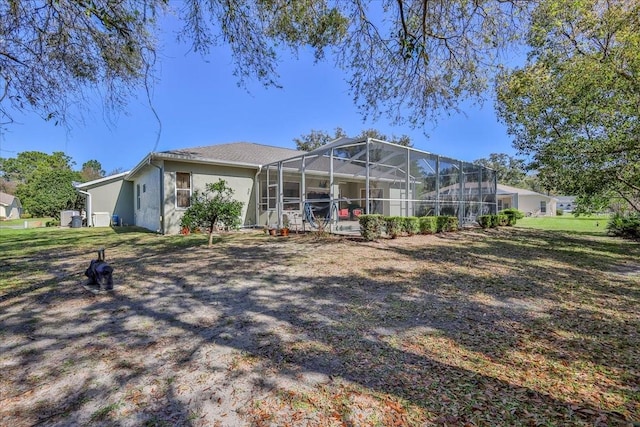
x: 239, y: 179
x: 10, y: 212
x: 114, y: 198
x: 531, y: 205
x: 147, y: 209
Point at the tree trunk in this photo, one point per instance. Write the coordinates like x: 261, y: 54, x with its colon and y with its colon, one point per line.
x: 210, y: 236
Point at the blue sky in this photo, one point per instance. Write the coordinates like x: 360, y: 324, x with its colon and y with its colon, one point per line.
x: 199, y: 103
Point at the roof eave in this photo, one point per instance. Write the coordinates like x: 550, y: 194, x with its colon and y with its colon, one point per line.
x: 88, y: 184
x: 203, y: 160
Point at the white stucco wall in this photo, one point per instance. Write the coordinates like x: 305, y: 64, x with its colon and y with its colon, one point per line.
x: 531, y: 204
x: 10, y: 212
x: 148, y: 215
x: 239, y: 179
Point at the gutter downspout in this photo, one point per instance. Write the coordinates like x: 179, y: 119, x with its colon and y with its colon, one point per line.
x: 89, y: 207
x: 161, y: 171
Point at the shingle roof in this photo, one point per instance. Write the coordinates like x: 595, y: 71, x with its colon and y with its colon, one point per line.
x: 237, y: 152
x: 507, y: 189
x: 6, y: 199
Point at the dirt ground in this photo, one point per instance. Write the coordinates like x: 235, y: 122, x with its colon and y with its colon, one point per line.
x: 203, y: 337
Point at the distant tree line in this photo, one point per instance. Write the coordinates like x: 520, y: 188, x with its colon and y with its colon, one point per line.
x: 44, y: 182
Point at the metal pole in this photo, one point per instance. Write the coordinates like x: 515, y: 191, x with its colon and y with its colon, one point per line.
x: 437, y: 185
x: 461, y: 187
x: 366, y: 184
x: 407, y: 186
x: 280, y: 206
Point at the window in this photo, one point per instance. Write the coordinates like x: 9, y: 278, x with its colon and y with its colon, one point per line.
x: 543, y: 206
x: 138, y: 196
x: 144, y: 188
x: 183, y: 190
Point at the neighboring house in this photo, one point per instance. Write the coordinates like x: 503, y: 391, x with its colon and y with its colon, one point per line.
x: 566, y: 203
x: 527, y: 201
x: 10, y: 206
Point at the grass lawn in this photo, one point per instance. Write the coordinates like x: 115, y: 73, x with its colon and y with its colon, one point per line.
x: 510, y: 326
x: 31, y: 222
x: 569, y: 223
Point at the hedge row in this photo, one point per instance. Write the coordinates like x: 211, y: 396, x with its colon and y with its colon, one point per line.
x: 505, y: 217
x: 372, y: 227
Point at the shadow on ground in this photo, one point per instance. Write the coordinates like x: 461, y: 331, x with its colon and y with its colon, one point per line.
x: 514, y: 327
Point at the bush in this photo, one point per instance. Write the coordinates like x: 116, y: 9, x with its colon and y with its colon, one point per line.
x: 53, y: 223
x: 513, y: 214
x: 447, y: 223
x: 26, y: 216
x: 559, y: 212
x: 395, y: 225
x: 428, y: 224
x: 411, y: 225
x: 502, y: 220
x: 485, y: 221
x: 371, y: 226
x: 627, y: 227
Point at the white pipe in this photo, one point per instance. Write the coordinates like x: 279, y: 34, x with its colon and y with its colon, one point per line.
x: 89, y: 207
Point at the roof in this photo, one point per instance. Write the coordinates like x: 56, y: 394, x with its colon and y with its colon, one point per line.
x: 506, y: 189
x: 241, y: 153
x: 566, y: 199
x: 7, y: 199
x: 104, y: 180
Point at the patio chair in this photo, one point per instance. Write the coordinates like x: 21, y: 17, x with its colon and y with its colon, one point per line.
x: 343, y: 213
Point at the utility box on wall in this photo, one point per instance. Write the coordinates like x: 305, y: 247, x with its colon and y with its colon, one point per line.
x: 101, y: 219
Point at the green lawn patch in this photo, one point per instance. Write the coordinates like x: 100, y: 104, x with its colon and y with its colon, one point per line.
x: 591, y: 224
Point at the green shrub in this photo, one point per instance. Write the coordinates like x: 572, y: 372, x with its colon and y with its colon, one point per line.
x: 559, y: 212
x: 411, y: 225
x: 447, y: 223
x: 627, y: 227
x: 494, y: 221
x: 513, y: 214
x: 428, y: 224
x: 53, y: 223
x: 395, y: 225
x: 502, y: 220
x: 371, y: 226
x: 485, y: 221
x: 26, y: 216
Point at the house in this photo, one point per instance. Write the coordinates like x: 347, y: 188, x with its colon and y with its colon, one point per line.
x: 10, y: 206
x: 527, y: 201
x: 567, y: 203
x: 110, y: 196
x: 335, y: 182
x: 156, y: 192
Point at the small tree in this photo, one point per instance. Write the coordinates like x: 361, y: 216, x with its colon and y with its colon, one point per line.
x: 214, y: 206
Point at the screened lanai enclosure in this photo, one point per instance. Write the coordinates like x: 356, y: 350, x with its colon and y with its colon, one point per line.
x: 333, y: 185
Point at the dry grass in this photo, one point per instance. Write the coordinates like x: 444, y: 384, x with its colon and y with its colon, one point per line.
x: 506, y: 327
